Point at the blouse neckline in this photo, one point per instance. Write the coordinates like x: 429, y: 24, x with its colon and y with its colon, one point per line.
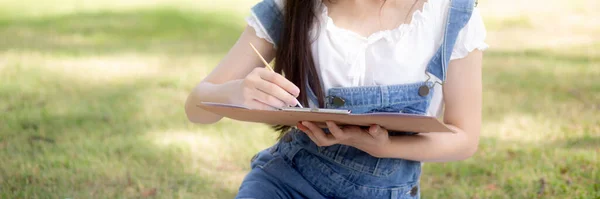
x: 418, y: 16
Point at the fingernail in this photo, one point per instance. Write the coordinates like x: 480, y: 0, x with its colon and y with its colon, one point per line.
x: 374, y: 128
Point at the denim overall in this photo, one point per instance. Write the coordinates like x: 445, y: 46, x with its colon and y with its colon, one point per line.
x: 297, y: 168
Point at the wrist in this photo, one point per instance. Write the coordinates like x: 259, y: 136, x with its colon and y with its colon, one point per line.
x: 383, y: 150
x: 232, y: 90
x: 218, y: 93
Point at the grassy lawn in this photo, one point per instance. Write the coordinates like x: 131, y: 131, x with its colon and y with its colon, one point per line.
x: 92, y: 93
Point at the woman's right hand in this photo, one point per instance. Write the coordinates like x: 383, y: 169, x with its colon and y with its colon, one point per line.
x: 265, y: 89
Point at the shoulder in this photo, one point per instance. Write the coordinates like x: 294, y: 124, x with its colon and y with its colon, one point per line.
x: 269, y: 5
x: 267, y: 19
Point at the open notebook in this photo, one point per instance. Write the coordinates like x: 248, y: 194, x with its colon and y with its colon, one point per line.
x: 291, y: 116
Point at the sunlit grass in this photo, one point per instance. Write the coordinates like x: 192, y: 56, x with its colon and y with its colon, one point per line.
x: 34, y: 8
x: 115, y: 135
x: 92, y: 93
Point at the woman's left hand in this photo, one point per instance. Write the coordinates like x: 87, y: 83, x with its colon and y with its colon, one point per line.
x: 373, y: 141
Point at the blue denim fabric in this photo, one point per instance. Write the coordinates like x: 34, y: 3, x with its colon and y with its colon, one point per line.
x: 270, y: 18
x: 297, y: 168
x: 458, y: 16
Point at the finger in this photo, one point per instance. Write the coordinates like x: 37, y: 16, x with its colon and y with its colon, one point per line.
x: 374, y: 130
x: 268, y: 99
x: 337, y: 132
x: 308, y: 133
x: 323, y: 139
x: 355, y: 132
x: 302, y: 127
x: 281, y: 81
x: 276, y: 91
x: 377, y: 132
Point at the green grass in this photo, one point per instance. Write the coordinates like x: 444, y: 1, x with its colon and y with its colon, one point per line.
x: 159, y: 30
x: 541, y: 121
x: 92, y: 107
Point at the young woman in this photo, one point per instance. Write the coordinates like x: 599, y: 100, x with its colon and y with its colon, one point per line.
x: 409, y: 56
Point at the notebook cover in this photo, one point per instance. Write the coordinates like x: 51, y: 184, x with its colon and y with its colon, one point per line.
x: 389, y: 121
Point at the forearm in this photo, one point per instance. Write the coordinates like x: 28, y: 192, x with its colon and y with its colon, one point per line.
x: 208, y: 92
x: 224, y: 83
x: 432, y: 147
x: 462, y: 97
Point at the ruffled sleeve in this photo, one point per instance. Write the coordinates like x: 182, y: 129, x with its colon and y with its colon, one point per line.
x: 259, y: 29
x: 254, y: 22
x: 471, y: 37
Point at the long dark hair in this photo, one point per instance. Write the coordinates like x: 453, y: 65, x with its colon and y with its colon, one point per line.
x: 294, y: 57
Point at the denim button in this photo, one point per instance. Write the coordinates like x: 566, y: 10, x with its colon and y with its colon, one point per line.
x: 338, y: 101
x: 287, y: 138
x: 423, y: 90
x: 414, y: 191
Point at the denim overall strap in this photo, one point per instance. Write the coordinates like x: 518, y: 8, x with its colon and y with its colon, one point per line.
x: 459, y: 13
x: 270, y: 18
x: 458, y: 16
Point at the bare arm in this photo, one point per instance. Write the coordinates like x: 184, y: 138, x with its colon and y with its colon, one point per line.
x: 463, y: 101
x: 240, y: 78
x: 462, y: 97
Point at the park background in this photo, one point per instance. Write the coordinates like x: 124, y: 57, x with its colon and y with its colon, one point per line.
x: 92, y: 94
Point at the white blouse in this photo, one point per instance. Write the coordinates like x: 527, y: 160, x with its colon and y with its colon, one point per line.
x: 397, y: 56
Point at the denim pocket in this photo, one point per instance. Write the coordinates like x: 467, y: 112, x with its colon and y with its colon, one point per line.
x: 335, y: 180
x: 262, y: 158
x: 417, y: 109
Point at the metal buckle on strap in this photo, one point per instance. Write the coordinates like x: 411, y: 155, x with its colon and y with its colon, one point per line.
x: 425, y: 89
x: 336, y: 101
